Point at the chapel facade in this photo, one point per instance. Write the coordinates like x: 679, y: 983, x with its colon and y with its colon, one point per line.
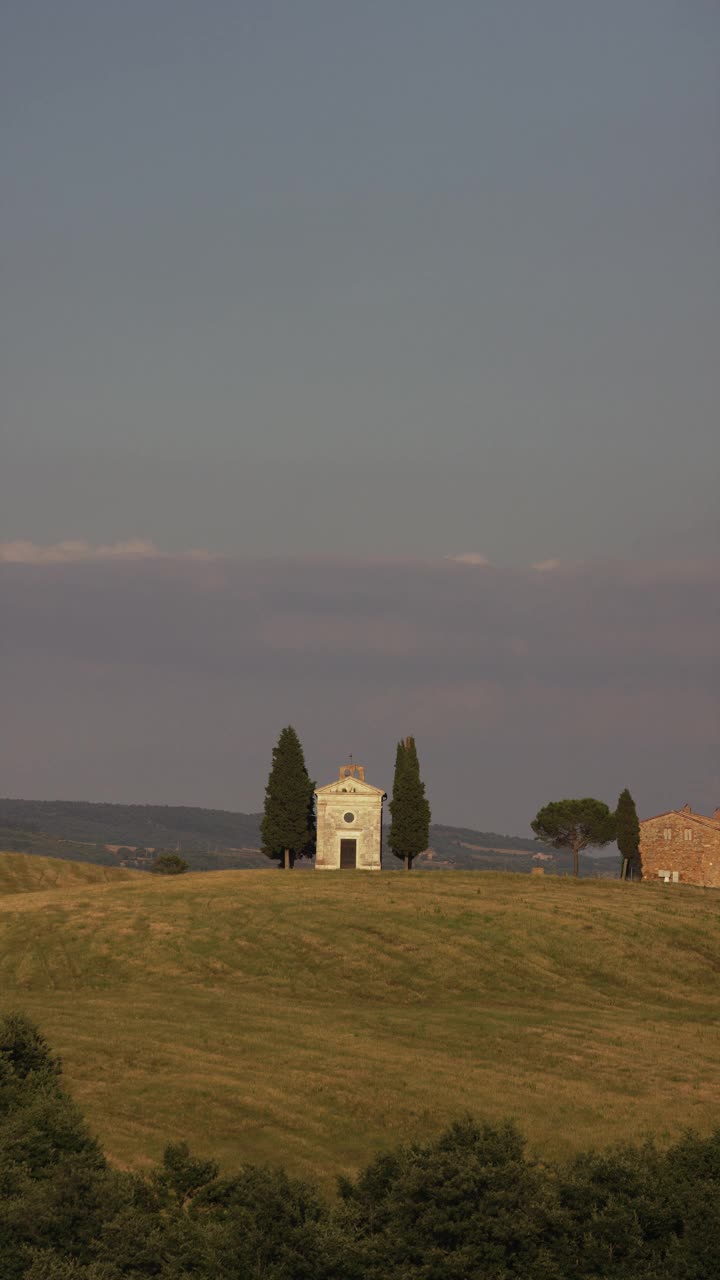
x: 681, y: 847
x: 349, y: 823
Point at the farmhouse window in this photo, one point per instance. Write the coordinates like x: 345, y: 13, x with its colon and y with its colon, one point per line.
x: 667, y: 833
x: 688, y: 833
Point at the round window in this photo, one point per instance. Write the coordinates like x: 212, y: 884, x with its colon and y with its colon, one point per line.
x: 349, y: 817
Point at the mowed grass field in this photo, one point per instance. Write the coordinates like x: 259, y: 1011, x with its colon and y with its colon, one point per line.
x: 315, y: 1019
x: 24, y: 872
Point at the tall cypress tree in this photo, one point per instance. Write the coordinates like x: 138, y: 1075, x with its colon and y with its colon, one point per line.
x: 628, y: 832
x: 288, y: 824
x: 409, y: 807
x: 396, y: 804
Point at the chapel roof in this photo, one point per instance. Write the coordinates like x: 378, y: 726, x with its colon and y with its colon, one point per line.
x: 351, y: 781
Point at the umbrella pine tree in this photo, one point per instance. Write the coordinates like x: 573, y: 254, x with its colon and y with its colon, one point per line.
x: 575, y: 825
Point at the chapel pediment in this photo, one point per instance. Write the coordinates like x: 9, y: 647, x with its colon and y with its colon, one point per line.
x: 351, y: 783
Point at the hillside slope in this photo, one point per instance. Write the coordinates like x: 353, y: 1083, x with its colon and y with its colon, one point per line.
x: 316, y: 1019
x: 25, y: 873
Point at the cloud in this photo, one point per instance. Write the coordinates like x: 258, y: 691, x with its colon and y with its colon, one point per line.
x: 545, y: 566
x: 136, y: 675
x: 471, y: 558
x: 77, y: 550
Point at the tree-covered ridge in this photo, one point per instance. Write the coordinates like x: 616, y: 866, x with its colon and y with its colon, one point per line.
x: 219, y: 839
x: 149, y: 825
x: 467, y: 1204
x: 133, y: 824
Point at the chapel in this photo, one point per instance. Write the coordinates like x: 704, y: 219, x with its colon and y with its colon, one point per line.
x: 349, y: 823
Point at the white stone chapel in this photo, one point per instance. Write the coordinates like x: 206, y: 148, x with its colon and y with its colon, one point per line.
x: 349, y: 823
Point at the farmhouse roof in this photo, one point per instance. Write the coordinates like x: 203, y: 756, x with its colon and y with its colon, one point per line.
x: 686, y: 812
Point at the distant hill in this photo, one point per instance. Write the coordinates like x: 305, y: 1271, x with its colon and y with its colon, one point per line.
x: 149, y: 825
x: 218, y: 839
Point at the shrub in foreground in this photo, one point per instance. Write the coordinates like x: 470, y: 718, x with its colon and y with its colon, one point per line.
x: 467, y: 1205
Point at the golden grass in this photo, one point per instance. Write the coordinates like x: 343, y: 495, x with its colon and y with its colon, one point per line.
x: 316, y: 1019
x: 26, y: 873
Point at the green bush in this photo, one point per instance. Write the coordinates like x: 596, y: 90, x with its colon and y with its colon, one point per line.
x: 469, y: 1204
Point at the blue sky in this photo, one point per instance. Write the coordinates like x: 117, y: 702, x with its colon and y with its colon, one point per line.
x: 387, y: 280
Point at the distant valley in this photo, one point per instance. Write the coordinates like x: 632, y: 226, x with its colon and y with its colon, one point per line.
x: 219, y: 839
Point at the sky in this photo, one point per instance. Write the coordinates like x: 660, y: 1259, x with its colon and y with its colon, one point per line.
x: 349, y: 299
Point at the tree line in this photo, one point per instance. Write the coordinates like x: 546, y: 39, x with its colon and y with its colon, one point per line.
x: 468, y: 1204
x: 288, y: 828
x: 288, y: 823
x: 52, y: 828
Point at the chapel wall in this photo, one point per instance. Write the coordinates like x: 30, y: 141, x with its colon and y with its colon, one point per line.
x: 365, y: 827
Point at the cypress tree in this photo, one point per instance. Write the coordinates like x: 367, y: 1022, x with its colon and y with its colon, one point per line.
x: 628, y: 832
x: 396, y: 803
x: 288, y: 824
x: 409, y: 807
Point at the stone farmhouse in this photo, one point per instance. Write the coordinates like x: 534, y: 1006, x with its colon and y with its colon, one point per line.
x: 349, y: 823
x: 681, y: 847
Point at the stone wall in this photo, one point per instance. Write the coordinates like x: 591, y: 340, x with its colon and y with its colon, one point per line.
x: 681, y: 842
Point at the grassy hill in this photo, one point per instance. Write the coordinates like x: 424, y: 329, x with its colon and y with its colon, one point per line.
x: 26, y: 873
x: 315, y: 1019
